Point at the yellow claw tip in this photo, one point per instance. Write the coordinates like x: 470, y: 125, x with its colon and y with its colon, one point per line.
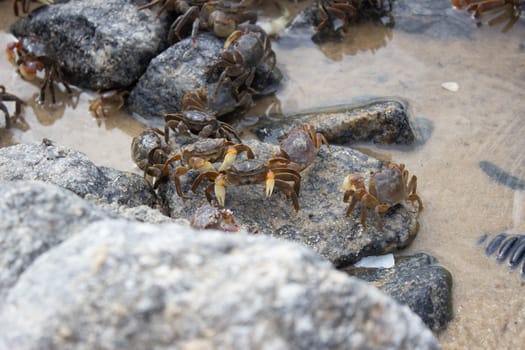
x: 270, y: 183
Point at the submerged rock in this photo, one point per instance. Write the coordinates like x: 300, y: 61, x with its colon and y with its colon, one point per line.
x: 74, y: 171
x: 417, y: 281
x: 102, y: 44
x: 379, y: 121
x: 321, y: 222
x: 119, y: 285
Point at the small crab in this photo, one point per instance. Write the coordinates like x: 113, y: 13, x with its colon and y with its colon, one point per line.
x: 301, y: 145
x: 501, y: 10
x: 7, y: 97
x: 200, y: 155
x: 29, y: 54
x: 274, y: 172
x: 344, y: 10
x: 106, y: 101
x: 251, y: 47
x: 196, y: 118
x: 209, y: 217
x: 386, y: 188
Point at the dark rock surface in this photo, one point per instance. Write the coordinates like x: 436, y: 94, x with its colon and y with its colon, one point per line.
x: 417, y: 281
x: 379, y: 121
x: 74, y: 171
x: 321, y: 222
x: 120, y: 285
x: 103, y: 44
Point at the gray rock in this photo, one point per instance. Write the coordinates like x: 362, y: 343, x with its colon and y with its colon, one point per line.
x: 103, y: 44
x: 417, y: 281
x: 179, y: 69
x: 127, y: 286
x: 321, y: 222
x: 35, y: 217
x: 74, y: 171
x: 383, y: 121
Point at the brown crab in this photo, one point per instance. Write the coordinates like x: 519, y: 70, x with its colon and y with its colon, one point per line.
x: 386, y: 188
x: 274, y: 172
x: 501, y: 10
x: 29, y: 54
x: 197, y: 119
x: 200, y: 156
x: 244, y: 50
x: 301, y: 145
x: 7, y: 97
x: 111, y: 99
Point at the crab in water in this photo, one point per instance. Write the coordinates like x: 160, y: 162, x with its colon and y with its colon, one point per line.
x: 200, y: 156
x: 344, y: 10
x: 112, y: 99
x: 274, y: 172
x: 386, y: 188
x: 301, y: 145
x: 244, y: 50
x: 7, y: 97
x: 502, y: 10
x: 30, y: 56
x: 197, y: 119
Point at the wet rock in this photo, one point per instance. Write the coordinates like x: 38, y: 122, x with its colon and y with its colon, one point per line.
x: 102, y: 44
x: 417, y: 281
x: 183, y: 68
x: 119, y: 285
x: 436, y: 19
x: 321, y: 222
x: 35, y: 217
x: 179, y: 69
x: 379, y: 121
x: 74, y: 171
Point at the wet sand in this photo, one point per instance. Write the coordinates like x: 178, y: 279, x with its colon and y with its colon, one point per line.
x: 482, y: 121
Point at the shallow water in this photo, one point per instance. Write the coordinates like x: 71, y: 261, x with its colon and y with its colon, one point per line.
x: 482, y: 121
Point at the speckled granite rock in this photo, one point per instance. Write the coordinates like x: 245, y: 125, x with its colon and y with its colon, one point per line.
x: 380, y: 121
x: 321, y: 222
x: 125, y: 286
x: 103, y: 44
x: 74, y: 171
x: 417, y: 281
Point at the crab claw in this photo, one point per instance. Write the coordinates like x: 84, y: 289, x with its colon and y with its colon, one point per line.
x: 233, y: 36
x: 351, y: 181
x: 200, y: 164
x: 10, y: 51
x: 231, y: 154
x: 220, y: 189
x: 270, y: 182
x: 29, y: 69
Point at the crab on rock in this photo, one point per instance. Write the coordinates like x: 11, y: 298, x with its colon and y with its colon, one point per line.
x: 386, y: 188
x: 274, y: 172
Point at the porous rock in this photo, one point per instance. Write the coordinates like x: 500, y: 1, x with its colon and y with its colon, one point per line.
x: 35, y: 217
x: 74, y: 171
x: 102, y: 44
x: 417, y: 281
x: 120, y: 285
x: 321, y: 222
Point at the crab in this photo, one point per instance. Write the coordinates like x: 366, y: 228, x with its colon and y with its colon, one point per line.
x: 7, y: 97
x: 209, y: 217
x: 107, y: 99
x: 274, y: 172
x: 200, y: 156
x: 197, y: 119
x: 29, y: 54
x: 386, y: 188
x: 244, y: 50
x: 301, y: 145
x: 344, y: 10
x: 503, y: 10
